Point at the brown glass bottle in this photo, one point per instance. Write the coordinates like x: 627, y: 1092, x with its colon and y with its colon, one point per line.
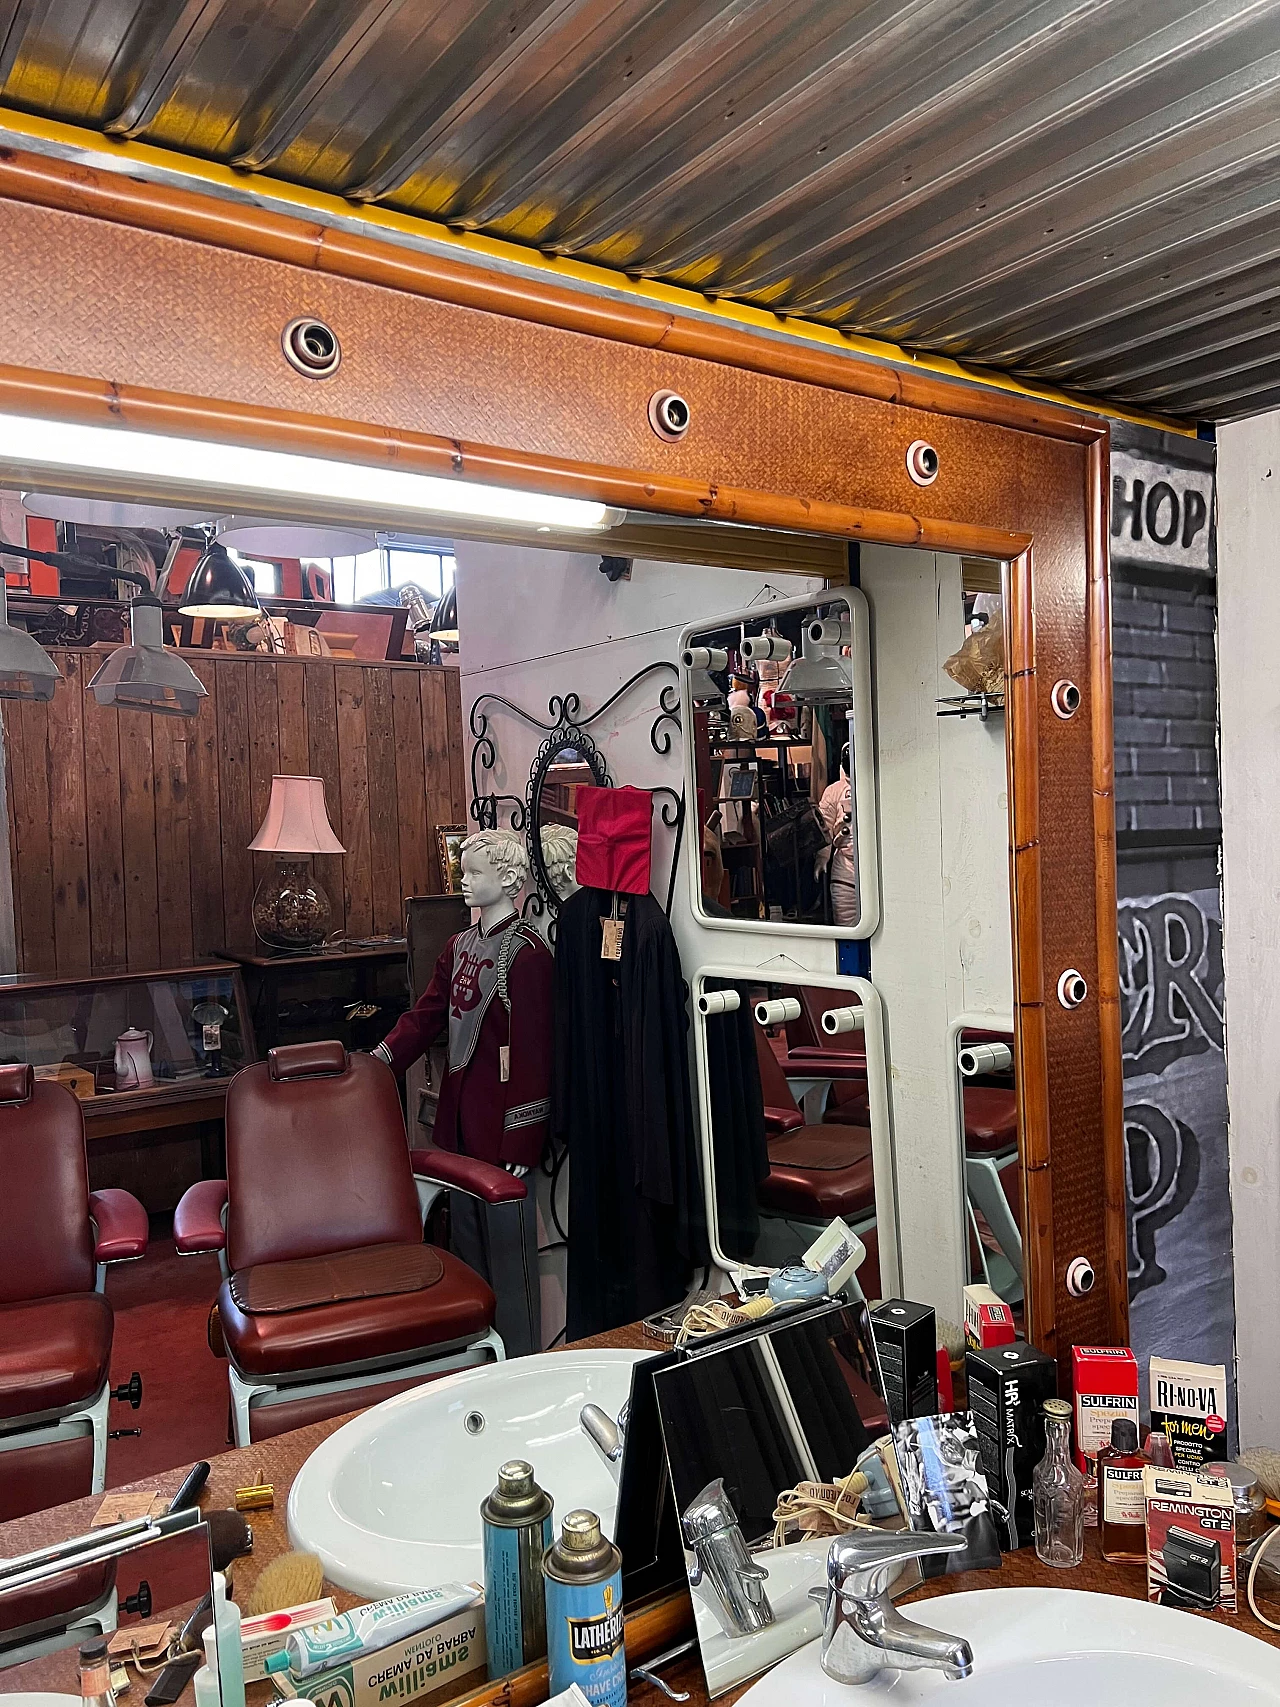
x: 1122, y: 1525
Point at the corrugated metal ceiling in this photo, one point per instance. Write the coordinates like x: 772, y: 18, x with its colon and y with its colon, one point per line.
x: 1080, y: 192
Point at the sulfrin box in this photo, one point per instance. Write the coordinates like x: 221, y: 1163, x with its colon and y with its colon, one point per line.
x: 1008, y: 1385
x: 1105, y: 1382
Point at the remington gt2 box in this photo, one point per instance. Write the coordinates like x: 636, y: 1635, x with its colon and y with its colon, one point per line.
x: 1008, y: 1385
x: 1189, y: 1402
x: 422, y: 1665
x: 1191, y: 1539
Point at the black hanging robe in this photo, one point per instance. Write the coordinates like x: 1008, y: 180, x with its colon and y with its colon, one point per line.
x: 620, y: 1102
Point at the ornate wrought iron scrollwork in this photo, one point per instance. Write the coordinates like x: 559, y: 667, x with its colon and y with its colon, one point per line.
x: 567, y: 728
x: 669, y: 703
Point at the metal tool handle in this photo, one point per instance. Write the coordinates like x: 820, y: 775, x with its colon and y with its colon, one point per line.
x: 859, y: 1563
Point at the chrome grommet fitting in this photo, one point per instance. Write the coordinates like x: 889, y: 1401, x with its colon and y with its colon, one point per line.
x: 311, y: 347
x: 1065, y: 698
x: 1080, y: 1277
x: 1072, y: 988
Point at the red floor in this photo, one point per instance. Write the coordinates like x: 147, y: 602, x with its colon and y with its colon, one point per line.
x: 162, y: 1305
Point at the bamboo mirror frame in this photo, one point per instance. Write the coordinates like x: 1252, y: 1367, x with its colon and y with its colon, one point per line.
x: 455, y: 368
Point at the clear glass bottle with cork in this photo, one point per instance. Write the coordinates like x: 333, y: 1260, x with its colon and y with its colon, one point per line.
x: 1058, y: 1492
x: 1121, y: 1508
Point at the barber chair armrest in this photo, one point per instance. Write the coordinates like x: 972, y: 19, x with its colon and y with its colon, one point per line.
x: 780, y: 1120
x: 120, y: 1227
x: 838, y: 1064
x: 197, y: 1221
x: 491, y: 1184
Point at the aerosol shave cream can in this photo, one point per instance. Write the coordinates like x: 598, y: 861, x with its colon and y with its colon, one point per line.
x: 584, y: 1613
x: 516, y: 1519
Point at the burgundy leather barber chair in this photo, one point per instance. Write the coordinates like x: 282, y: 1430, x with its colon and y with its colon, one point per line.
x: 327, y: 1286
x: 56, y: 1240
x: 815, y: 1171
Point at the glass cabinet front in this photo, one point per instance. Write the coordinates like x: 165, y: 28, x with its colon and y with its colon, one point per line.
x: 102, y: 1036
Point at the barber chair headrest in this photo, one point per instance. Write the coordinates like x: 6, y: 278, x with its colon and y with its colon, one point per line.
x: 307, y: 1061
x: 17, y: 1083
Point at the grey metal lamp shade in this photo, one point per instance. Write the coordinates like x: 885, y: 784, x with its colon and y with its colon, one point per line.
x: 219, y: 587
x: 26, y: 669
x: 444, y: 623
x: 704, y: 689
x: 819, y: 678
x: 146, y: 676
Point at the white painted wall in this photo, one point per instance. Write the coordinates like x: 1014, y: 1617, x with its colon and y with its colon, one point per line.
x: 1249, y: 690
x: 943, y: 948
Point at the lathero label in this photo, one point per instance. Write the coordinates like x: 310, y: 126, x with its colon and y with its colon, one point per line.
x: 594, y: 1639
x: 585, y: 1642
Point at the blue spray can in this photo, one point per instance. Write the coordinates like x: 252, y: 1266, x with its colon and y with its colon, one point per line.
x: 584, y: 1613
x: 516, y: 1521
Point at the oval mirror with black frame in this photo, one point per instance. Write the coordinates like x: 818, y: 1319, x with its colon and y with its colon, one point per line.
x: 567, y: 761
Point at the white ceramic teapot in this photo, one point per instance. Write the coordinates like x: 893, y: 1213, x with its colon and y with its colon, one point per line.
x: 133, y: 1060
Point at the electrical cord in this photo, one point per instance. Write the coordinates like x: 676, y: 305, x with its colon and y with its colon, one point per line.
x: 1264, y: 1546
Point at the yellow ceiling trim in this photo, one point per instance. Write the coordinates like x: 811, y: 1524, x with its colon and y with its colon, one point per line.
x: 379, y: 218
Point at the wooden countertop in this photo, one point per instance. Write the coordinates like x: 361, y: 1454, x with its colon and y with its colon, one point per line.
x: 650, y: 1631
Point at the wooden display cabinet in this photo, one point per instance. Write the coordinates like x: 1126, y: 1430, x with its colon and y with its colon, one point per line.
x: 143, y: 1138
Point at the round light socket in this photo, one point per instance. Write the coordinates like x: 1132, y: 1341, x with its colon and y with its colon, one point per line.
x: 1072, y: 988
x: 1080, y: 1277
x: 669, y: 415
x: 1065, y: 698
x: 311, y: 347
x: 922, y: 462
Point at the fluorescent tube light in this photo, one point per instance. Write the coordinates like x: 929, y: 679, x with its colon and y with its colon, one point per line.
x: 37, y: 446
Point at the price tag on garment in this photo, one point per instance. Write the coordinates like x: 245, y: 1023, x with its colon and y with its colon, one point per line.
x: 119, y: 1508
x: 612, y: 929
x: 504, y: 1063
x: 145, y: 1641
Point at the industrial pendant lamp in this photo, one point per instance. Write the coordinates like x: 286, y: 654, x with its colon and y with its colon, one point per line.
x: 26, y: 669
x: 291, y: 909
x: 146, y: 675
x: 444, y: 622
x: 219, y: 587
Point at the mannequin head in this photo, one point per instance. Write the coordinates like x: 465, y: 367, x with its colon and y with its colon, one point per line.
x: 495, y: 868
x: 560, y: 856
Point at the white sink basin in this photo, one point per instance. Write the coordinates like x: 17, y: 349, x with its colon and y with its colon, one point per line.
x: 392, y: 1500
x: 1044, y: 1647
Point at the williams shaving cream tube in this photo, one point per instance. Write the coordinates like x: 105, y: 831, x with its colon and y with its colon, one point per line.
x: 337, y: 1640
x: 584, y: 1613
x: 516, y: 1519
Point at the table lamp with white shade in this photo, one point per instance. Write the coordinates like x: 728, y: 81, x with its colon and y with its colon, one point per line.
x: 291, y: 909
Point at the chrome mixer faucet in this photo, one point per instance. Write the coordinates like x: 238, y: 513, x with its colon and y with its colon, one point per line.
x: 608, y: 1437
x: 711, y: 1532
x: 863, y: 1633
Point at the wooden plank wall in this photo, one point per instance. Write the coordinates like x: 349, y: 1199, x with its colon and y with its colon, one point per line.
x: 129, y: 834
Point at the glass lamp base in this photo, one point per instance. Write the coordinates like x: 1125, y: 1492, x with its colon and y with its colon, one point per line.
x: 291, y: 909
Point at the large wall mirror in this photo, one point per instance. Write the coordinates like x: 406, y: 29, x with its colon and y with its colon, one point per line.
x: 779, y: 764
x: 794, y: 1084
x: 890, y: 1099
